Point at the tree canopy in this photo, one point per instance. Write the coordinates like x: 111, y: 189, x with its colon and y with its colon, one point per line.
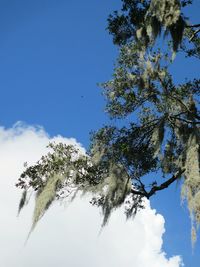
x: 160, y: 117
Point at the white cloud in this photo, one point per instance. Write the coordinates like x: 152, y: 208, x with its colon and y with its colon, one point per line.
x: 69, y: 237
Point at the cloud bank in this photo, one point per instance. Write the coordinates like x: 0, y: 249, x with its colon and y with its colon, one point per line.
x: 69, y: 236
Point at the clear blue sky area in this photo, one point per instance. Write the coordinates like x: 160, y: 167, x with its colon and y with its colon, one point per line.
x: 52, y: 55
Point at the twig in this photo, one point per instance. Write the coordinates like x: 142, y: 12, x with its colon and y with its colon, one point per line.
x: 187, y: 121
x: 194, y: 35
x: 193, y: 26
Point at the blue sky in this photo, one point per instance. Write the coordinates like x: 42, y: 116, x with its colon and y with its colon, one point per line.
x: 52, y: 55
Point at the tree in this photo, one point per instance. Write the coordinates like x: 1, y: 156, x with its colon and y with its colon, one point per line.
x: 160, y: 133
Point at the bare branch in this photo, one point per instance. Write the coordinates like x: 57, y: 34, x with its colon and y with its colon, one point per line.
x: 141, y: 193
x: 187, y: 121
x: 164, y: 185
x: 193, y: 26
x: 156, y: 188
x: 194, y: 35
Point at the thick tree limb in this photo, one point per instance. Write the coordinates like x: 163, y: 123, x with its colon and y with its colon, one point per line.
x: 165, y: 184
x: 156, y: 188
x: 141, y: 193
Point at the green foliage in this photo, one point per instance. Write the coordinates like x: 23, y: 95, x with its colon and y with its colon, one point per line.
x: 146, y: 20
x: 64, y: 172
x: 161, y: 122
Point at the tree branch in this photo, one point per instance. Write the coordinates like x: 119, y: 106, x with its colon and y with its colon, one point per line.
x: 156, y: 188
x: 194, y: 35
x: 187, y: 121
x: 141, y: 193
x: 193, y: 26
x: 164, y: 185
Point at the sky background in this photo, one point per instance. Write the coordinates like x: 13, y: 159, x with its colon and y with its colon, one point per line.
x: 52, y: 55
